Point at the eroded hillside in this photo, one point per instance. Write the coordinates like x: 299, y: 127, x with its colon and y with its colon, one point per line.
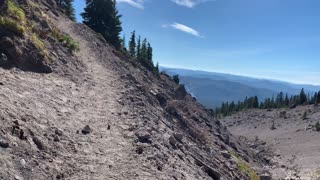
x: 96, y: 114
x: 286, y: 138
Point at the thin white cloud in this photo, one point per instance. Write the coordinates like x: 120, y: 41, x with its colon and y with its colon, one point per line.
x: 183, y: 28
x: 134, y: 3
x: 189, y: 3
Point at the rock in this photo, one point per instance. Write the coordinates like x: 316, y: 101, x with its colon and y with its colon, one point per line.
x: 16, y: 177
x: 178, y: 137
x: 283, y: 114
x: 292, y: 106
x: 3, y: 59
x: 161, y: 97
x: 226, y: 154
x: 139, y: 150
x: 58, y: 132
x: 214, y: 174
x: 56, y: 138
x: 86, y: 130
x: 265, y: 177
x: 45, y: 25
x: 144, y: 137
x: 38, y: 143
x: 23, y: 163
x: 4, y: 144
x: 173, y: 141
x: 180, y: 92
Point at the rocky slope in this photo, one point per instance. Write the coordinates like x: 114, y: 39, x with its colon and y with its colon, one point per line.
x: 95, y: 114
x: 286, y: 138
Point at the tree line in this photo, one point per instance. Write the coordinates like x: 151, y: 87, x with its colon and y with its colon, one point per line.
x: 280, y: 101
x: 140, y: 50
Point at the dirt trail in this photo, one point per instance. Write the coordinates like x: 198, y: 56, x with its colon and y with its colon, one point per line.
x: 51, y: 101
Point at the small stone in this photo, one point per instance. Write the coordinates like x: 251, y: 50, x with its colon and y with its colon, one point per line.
x: 38, y: 143
x: 56, y: 138
x: 178, y: 137
x: 58, y: 132
x: 108, y: 127
x: 4, y: 144
x: 265, y: 177
x: 23, y: 163
x: 226, y: 154
x: 16, y: 177
x: 172, y: 141
x: 86, y: 130
x: 144, y: 137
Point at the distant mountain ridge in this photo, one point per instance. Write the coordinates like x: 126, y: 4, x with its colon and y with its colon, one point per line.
x: 212, y: 88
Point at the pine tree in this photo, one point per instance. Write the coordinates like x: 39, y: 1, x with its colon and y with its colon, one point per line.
x: 144, y: 51
x: 139, y: 48
x: 67, y: 5
x: 149, y: 52
x: 286, y: 100
x: 303, y: 97
x: 132, y: 44
x: 103, y: 17
x: 123, y: 42
x: 157, y: 68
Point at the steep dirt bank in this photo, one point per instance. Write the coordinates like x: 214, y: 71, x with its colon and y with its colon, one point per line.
x: 98, y: 116
x: 294, y: 141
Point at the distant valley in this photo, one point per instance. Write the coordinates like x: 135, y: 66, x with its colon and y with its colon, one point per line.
x: 211, y: 88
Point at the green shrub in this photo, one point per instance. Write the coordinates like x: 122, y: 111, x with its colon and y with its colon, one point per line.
x: 245, y: 167
x: 176, y: 79
x: 39, y: 44
x: 67, y: 39
x: 12, y: 25
x: 71, y: 43
x: 15, y: 11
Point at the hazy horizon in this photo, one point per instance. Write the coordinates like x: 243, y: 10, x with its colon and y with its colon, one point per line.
x: 244, y: 75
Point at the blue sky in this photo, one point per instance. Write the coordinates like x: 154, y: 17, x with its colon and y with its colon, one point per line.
x: 276, y: 39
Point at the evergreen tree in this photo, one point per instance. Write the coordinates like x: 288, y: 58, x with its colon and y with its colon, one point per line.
x: 132, y: 44
x: 286, y: 100
x: 103, y: 17
x: 303, y: 97
x: 139, y: 48
x: 67, y: 5
x: 157, y: 68
x: 143, y: 52
x: 123, y: 42
x: 149, y: 52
